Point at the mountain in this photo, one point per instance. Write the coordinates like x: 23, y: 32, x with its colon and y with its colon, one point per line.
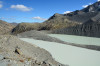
x: 55, y: 22
x: 5, y: 27
x: 75, y: 18
x: 14, y: 23
x: 90, y: 28
x: 90, y: 22
x: 58, y: 21
x: 23, y: 27
x: 80, y: 22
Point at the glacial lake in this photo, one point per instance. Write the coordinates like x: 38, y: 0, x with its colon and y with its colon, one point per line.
x: 77, y: 39
x: 66, y: 54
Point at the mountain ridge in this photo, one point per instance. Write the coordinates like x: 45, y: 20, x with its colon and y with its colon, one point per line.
x: 78, y: 19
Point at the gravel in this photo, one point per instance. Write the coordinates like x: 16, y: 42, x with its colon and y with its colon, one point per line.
x: 15, y: 52
x: 39, y: 35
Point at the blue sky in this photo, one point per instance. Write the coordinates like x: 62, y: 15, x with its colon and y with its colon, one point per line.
x: 37, y: 10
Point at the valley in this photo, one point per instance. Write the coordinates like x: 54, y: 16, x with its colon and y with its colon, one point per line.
x: 71, y: 38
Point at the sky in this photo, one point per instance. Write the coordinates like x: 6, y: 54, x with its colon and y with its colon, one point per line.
x: 38, y: 10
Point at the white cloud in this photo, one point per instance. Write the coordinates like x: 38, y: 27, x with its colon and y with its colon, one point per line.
x: 39, y: 18
x: 9, y: 18
x: 1, y: 5
x: 21, y: 7
x: 84, y: 6
x: 66, y: 12
x: 98, y: 0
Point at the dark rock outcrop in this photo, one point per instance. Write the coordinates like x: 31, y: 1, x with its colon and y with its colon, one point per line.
x: 90, y: 28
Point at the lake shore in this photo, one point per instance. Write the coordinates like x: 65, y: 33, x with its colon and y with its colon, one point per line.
x: 66, y: 54
x: 79, y: 41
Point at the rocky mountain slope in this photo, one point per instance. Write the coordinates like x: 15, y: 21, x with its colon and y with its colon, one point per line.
x: 14, y: 23
x: 23, y: 27
x: 55, y: 22
x: 90, y: 28
x: 14, y: 52
x: 80, y: 22
x: 5, y: 27
x: 90, y: 22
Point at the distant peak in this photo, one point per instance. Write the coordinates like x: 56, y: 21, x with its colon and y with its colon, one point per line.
x: 56, y: 14
x: 93, y: 7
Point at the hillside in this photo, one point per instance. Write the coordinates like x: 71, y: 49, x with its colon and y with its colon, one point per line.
x: 23, y: 27
x: 5, y: 27
x: 91, y: 29
x: 58, y: 21
x: 80, y: 22
x: 14, y: 23
x: 55, y: 22
x: 90, y: 22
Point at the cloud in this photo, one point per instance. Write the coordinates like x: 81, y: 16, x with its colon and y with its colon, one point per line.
x: 9, y: 18
x: 66, y: 12
x: 1, y: 5
x: 84, y: 6
x: 21, y: 7
x: 39, y: 18
x: 98, y: 0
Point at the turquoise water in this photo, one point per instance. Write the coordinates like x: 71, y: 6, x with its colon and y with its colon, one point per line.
x: 77, y: 39
x: 66, y: 54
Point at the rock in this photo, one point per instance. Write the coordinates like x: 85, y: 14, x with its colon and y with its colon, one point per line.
x: 18, y: 51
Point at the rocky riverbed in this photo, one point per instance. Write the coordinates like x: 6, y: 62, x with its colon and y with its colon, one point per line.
x: 39, y: 35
